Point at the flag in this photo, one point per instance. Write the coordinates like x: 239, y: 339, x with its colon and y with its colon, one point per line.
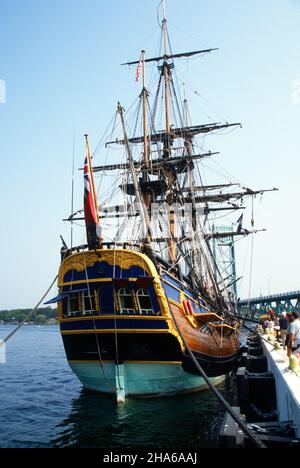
x: 90, y: 207
x: 240, y: 223
x: 138, y: 71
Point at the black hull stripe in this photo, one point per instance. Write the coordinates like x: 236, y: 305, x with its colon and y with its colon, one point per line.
x: 120, y: 324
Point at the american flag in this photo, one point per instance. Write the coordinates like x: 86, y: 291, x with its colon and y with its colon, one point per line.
x: 138, y: 71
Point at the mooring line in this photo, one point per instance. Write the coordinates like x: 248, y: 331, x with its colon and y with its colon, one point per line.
x: 31, y: 313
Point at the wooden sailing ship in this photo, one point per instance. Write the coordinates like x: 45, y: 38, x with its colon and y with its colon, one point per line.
x: 131, y: 305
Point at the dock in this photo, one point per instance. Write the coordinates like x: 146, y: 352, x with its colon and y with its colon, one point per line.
x: 268, y: 393
x: 287, y: 385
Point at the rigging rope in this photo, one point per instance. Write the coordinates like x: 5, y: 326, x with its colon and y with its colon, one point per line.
x: 251, y: 258
x: 31, y: 314
x: 94, y: 325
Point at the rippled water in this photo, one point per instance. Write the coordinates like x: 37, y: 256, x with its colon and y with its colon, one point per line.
x: 42, y: 404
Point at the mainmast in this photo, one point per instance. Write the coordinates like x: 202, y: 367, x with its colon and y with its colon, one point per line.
x: 167, y: 146
x: 145, y: 123
x: 168, y: 167
x: 166, y: 69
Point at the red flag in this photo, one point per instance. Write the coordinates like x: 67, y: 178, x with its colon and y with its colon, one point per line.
x: 90, y: 206
x: 90, y: 212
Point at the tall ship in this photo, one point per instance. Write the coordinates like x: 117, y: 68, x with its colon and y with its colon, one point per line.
x: 145, y: 293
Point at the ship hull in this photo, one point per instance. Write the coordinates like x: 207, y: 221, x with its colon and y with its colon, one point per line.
x: 140, y: 380
x: 129, y: 330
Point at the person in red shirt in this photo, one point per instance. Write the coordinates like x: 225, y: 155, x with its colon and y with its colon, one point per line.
x: 271, y: 314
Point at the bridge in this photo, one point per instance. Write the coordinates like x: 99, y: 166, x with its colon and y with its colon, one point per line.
x: 288, y: 302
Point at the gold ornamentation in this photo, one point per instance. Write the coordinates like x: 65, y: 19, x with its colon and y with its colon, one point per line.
x: 121, y: 258
x: 190, y: 319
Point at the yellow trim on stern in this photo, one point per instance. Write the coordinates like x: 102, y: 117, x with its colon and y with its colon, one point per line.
x: 122, y: 258
x: 96, y: 280
x: 123, y: 317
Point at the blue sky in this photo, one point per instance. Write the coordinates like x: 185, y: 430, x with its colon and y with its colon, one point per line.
x: 60, y: 61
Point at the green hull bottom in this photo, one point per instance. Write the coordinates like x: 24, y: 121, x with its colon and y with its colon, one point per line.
x: 133, y: 379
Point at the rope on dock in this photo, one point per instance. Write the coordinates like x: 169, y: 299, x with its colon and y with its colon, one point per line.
x: 216, y: 392
x: 30, y: 315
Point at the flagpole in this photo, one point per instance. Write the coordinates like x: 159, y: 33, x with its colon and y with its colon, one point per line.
x: 164, y: 9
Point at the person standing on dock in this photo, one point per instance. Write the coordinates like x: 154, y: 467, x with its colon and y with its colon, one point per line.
x: 277, y: 328
x: 289, y: 337
x: 283, y: 324
x: 295, y: 332
x: 271, y: 327
x: 271, y: 314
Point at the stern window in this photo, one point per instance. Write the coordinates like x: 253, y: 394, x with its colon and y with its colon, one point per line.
x: 88, y: 303
x: 145, y: 303
x: 73, y: 305
x: 126, y: 301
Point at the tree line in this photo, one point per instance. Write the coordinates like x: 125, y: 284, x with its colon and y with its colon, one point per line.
x: 42, y: 315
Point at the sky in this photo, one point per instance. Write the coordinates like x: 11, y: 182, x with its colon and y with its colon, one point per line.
x: 60, y: 63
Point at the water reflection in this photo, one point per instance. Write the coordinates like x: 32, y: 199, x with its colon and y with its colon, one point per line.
x: 42, y: 405
x: 188, y: 421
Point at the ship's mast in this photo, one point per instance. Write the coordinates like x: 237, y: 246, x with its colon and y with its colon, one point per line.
x: 167, y: 147
x: 144, y: 92
x: 138, y: 193
x: 168, y: 166
x: 166, y: 68
x: 147, y: 194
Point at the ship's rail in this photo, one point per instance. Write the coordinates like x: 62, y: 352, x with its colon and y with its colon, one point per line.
x: 67, y: 252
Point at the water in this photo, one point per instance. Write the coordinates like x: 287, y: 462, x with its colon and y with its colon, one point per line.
x: 42, y: 404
